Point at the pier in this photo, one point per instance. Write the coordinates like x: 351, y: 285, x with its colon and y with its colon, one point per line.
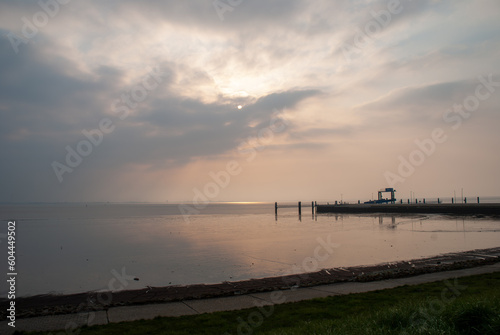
x: 417, y: 208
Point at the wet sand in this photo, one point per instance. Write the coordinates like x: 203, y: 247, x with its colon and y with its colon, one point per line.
x: 93, y: 301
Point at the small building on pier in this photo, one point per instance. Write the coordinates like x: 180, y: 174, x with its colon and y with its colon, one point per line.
x: 381, y: 199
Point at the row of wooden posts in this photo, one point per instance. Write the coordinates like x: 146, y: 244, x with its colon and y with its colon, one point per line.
x: 313, y: 206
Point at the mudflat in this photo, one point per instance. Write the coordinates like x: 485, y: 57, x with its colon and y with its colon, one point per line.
x: 93, y: 301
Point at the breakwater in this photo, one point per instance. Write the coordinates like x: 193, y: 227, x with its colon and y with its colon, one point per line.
x: 454, y: 209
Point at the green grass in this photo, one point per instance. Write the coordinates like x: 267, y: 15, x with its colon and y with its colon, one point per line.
x: 472, y: 307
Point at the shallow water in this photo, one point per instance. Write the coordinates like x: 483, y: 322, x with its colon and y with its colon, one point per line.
x: 69, y: 248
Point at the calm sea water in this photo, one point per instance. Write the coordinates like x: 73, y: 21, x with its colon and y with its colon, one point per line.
x: 69, y: 248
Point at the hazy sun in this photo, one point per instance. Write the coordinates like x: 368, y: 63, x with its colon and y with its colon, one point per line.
x: 240, y: 106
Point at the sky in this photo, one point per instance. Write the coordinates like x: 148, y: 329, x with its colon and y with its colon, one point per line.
x: 248, y: 100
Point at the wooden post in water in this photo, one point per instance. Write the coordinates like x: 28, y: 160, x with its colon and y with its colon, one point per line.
x: 312, y: 206
x: 439, y: 201
x: 424, y: 200
x: 465, y: 200
x: 477, y: 199
x: 300, y: 208
x: 452, y: 200
x: 276, y: 208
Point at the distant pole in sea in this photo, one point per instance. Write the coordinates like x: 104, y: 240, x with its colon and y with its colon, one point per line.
x: 477, y: 199
x: 300, y: 208
x: 276, y: 208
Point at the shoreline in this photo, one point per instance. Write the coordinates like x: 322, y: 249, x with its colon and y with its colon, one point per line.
x: 41, y: 305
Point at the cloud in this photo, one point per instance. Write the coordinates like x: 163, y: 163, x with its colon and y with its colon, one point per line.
x: 46, y: 104
x: 183, y: 128
x: 422, y: 99
x: 242, y: 15
x: 424, y: 105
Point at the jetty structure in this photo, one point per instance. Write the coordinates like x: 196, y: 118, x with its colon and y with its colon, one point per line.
x: 452, y: 209
x: 390, y: 205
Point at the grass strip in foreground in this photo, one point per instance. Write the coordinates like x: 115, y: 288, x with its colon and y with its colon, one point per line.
x: 468, y: 305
